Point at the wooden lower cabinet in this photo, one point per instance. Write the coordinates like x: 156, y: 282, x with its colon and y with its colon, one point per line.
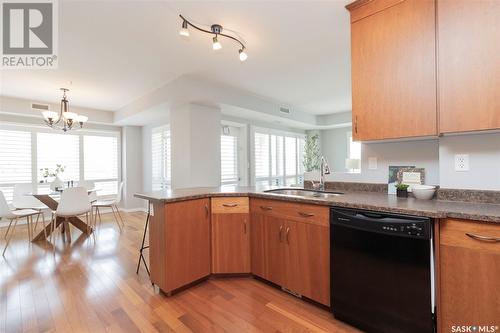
x: 292, y: 253
x: 230, y: 235
x: 469, y: 271
x: 180, y: 243
x: 230, y: 243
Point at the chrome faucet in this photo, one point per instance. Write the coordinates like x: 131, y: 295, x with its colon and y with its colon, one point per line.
x: 324, y: 169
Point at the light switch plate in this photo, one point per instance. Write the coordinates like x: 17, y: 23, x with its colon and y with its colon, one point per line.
x: 372, y: 163
x: 461, y: 162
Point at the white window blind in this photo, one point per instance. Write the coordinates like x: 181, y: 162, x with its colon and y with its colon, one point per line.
x: 161, y: 159
x: 229, y: 159
x: 261, y: 155
x: 63, y: 149
x: 101, y: 162
x: 278, y: 158
x: 15, y: 160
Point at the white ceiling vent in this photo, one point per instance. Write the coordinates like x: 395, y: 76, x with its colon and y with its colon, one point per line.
x: 39, y: 107
x: 285, y: 109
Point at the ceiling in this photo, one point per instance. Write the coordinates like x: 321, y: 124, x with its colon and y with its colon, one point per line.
x: 114, y: 52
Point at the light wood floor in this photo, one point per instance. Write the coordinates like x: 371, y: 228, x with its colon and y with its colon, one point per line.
x: 92, y: 287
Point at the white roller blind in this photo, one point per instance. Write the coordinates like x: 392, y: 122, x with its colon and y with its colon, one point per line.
x: 64, y: 149
x: 161, y: 159
x: 229, y: 159
x: 15, y: 160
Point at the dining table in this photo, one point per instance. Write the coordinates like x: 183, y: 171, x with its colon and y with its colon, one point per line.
x: 51, y: 201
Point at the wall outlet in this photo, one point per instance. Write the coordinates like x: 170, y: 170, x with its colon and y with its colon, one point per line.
x: 372, y: 163
x: 461, y: 162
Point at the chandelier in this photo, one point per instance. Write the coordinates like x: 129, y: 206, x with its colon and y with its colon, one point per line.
x: 64, y: 120
x: 215, y: 31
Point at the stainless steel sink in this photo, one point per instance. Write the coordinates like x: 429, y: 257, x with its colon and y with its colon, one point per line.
x: 304, y: 193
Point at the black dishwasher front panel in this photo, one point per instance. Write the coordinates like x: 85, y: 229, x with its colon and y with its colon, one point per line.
x: 380, y: 271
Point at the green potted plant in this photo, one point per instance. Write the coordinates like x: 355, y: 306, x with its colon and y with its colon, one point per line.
x: 402, y: 190
x: 312, y: 154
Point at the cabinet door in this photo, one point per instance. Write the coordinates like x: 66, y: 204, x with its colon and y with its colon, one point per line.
x: 275, y: 263
x: 307, y: 260
x: 394, y: 72
x: 469, y: 65
x: 469, y: 274
x: 230, y: 243
x: 187, y: 242
x: 257, y: 245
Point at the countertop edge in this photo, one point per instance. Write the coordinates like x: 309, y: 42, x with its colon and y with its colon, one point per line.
x: 483, y: 217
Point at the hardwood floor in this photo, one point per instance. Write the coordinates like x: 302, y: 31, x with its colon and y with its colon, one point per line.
x: 92, y: 287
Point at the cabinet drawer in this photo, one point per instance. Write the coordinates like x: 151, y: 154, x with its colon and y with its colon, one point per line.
x: 292, y: 210
x: 226, y: 205
x: 471, y: 235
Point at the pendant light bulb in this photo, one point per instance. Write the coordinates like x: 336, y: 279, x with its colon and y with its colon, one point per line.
x: 216, y: 45
x: 184, y: 30
x: 243, y: 55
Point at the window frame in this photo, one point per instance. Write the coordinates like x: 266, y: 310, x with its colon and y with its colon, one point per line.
x: 35, y: 129
x: 236, y: 154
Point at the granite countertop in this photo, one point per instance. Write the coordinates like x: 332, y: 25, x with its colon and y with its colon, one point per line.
x: 363, y: 200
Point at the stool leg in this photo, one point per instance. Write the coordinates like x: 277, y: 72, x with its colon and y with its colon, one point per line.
x: 141, y: 256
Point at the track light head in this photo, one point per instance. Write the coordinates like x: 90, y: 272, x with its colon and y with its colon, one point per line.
x: 216, y: 45
x: 243, y: 54
x: 184, y: 30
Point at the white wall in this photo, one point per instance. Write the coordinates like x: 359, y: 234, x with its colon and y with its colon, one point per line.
x: 484, y: 160
x: 423, y: 154
x: 195, y: 133
x: 334, y: 147
x: 132, y: 166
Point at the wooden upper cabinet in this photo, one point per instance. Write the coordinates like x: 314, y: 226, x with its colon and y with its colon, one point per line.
x: 469, y: 269
x: 469, y: 65
x: 393, y: 45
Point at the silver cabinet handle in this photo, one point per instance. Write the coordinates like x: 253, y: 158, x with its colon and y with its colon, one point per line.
x: 287, y: 233
x: 306, y: 214
x: 230, y: 204
x: 266, y: 207
x: 281, y: 231
x: 484, y: 238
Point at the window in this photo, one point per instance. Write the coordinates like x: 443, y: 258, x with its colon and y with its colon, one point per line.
x: 161, y: 155
x: 229, y: 159
x: 278, y: 158
x: 353, y: 150
x: 101, y: 162
x: 15, y: 160
x: 63, y: 149
x: 83, y: 154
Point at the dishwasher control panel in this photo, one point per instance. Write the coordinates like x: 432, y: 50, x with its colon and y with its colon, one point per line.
x: 384, y: 223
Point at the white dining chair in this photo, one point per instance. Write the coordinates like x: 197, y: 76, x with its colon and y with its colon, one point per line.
x: 23, y: 199
x: 113, y: 204
x: 6, y: 212
x: 89, y: 185
x: 74, y: 202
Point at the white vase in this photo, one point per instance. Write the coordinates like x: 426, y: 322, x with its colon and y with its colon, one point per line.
x: 57, y: 183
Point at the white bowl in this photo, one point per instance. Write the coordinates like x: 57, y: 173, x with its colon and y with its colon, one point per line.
x: 423, y: 192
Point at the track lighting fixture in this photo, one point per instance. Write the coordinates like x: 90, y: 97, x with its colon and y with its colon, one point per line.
x: 216, y: 31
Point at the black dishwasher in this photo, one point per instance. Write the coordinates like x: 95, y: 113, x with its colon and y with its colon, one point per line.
x: 382, y: 277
